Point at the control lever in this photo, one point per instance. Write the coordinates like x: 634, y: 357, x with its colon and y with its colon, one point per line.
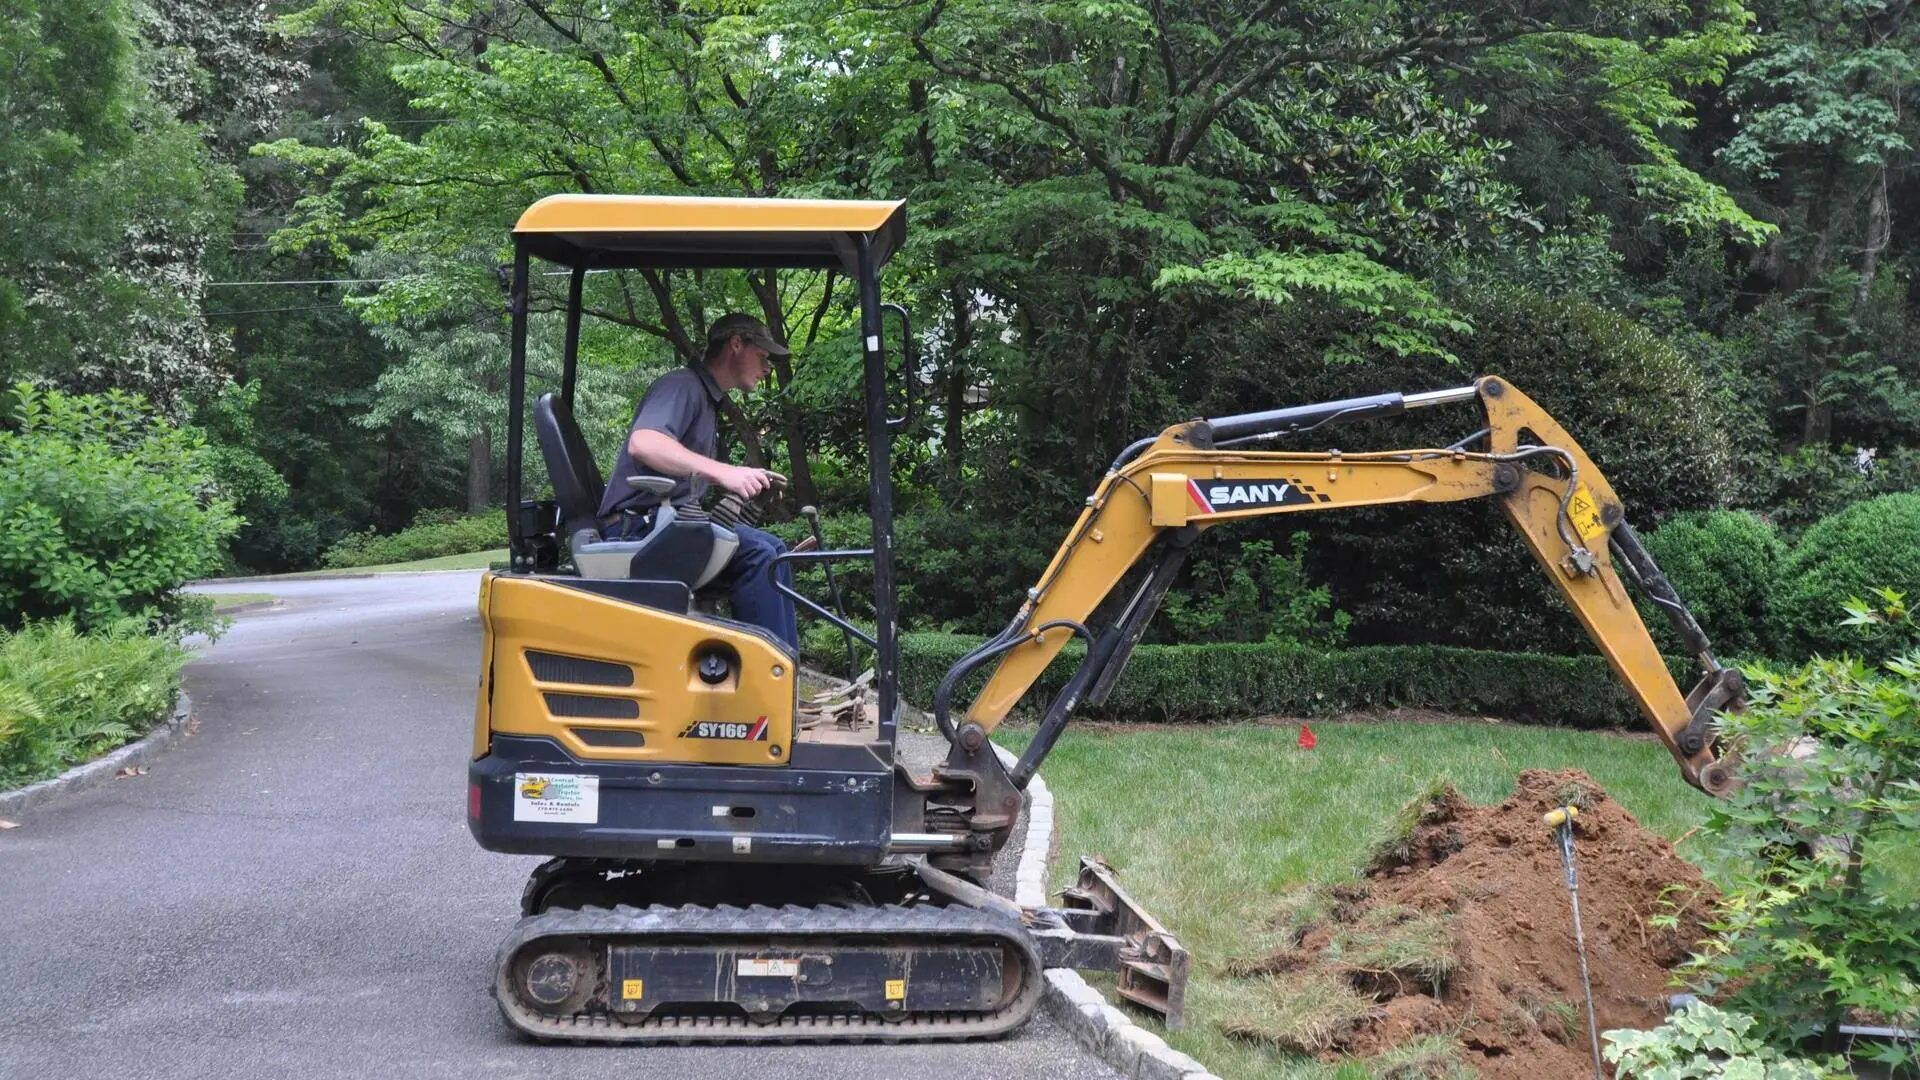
x: 812, y: 514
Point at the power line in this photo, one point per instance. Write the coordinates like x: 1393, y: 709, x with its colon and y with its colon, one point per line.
x: 380, y: 280
x: 272, y: 310
x: 312, y: 281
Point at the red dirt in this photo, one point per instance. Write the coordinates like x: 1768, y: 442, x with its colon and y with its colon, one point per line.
x: 1496, y: 875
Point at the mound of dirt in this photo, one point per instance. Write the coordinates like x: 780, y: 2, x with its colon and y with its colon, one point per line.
x: 1462, y: 929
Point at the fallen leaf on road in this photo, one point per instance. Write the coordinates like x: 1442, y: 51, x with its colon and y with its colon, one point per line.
x: 132, y: 770
x: 5, y: 824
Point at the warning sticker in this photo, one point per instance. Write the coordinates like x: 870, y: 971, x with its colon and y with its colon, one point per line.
x: 556, y: 797
x: 896, y: 989
x: 1586, y: 515
x: 766, y: 969
x: 633, y: 989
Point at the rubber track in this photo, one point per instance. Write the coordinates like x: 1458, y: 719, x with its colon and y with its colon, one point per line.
x: 625, y: 925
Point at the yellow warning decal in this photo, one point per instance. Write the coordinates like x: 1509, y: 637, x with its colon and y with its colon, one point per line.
x: 896, y: 989
x: 1586, y: 515
x: 632, y: 989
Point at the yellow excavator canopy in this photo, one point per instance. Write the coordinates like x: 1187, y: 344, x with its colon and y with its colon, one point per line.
x: 669, y: 231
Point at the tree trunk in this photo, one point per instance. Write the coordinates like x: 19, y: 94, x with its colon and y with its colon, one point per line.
x: 479, y: 472
x: 743, y: 429
x: 954, y: 444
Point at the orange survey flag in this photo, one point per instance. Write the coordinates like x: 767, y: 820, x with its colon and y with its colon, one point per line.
x: 1307, y: 739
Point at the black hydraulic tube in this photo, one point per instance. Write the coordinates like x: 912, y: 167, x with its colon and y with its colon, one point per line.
x: 1298, y: 418
x: 1305, y: 417
x: 1647, y: 575
x: 570, y: 358
x: 1099, y: 651
x: 517, y: 402
x: 1132, y: 623
x: 880, y: 504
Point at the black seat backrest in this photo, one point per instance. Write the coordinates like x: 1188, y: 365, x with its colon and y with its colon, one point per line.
x: 577, y: 486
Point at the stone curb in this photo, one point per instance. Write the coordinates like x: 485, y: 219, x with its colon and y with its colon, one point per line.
x: 1110, y: 1034
x: 102, y: 769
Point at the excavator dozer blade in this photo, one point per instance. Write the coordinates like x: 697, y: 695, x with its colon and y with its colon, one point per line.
x: 1104, y: 927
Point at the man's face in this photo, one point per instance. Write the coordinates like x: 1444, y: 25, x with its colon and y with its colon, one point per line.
x: 751, y: 363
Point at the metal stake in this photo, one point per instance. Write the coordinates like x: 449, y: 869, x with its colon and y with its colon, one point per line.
x: 1561, y: 821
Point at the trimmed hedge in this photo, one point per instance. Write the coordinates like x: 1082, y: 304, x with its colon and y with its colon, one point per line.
x: 1869, y: 545
x: 434, y: 533
x: 1187, y: 683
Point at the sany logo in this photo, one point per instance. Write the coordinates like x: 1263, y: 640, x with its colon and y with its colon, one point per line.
x: 721, y: 729
x: 1249, y: 493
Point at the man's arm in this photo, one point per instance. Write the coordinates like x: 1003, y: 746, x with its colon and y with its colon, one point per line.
x: 662, y: 453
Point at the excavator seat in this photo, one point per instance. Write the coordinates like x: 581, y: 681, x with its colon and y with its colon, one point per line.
x: 681, y: 544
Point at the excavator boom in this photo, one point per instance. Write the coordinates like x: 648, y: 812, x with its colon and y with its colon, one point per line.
x: 1162, y: 493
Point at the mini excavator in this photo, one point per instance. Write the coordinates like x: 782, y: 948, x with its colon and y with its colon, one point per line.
x: 723, y: 870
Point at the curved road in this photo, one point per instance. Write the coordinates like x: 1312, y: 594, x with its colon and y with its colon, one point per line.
x: 292, y: 892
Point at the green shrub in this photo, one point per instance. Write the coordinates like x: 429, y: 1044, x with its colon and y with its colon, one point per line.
x: 1725, y: 564
x: 1806, y: 934
x: 106, y: 509
x: 1814, y: 481
x: 1250, y: 593
x: 434, y: 533
x: 66, y: 697
x: 1184, y: 683
x: 1705, y: 1043
x: 1867, y: 545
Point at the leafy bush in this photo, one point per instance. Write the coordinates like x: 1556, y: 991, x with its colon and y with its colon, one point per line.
x: 106, y: 509
x: 1867, y: 545
x: 1252, y: 594
x: 1815, y: 481
x: 1725, y: 564
x: 66, y: 697
x: 1181, y: 683
x: 434, y: 533
x: 1704, y: 1043
x: 1830, y: 797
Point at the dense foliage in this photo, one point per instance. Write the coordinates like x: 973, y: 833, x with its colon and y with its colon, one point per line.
x: 1805, y: 937
x: 1873, y: 544
x: 105, y: 511
x: 67, y: 696
x: 1702, y: 1042
x: 432, y: 534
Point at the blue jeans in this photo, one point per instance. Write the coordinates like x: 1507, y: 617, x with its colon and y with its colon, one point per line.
x: 755, y: 600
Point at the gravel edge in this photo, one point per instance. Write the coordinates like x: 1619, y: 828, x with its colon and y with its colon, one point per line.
x: 1084, y: 1012
x: 102, y: 769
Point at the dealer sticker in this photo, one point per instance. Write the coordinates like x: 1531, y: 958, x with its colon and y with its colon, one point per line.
x: 758, y: 968
x: 556, y: 797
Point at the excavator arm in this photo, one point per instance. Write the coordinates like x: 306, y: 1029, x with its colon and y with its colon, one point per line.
x: 1163, y: 492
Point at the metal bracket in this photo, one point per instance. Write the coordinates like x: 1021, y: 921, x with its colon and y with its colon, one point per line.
x: 1101, y: 926
x: 1724, y: 690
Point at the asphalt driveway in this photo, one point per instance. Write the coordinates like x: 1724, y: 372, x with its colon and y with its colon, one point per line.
x: 292, y: 892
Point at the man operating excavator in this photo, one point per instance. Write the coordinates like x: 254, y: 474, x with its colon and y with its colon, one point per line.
x: 674, y: 435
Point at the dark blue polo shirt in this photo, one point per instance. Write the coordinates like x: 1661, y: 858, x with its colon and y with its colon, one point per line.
x: 685, y: 405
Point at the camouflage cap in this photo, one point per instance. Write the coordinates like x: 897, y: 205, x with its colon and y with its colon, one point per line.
x: 750, y: 329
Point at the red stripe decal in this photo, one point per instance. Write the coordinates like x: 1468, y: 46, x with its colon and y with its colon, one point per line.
x: 759, y: 729
x: 1193, y: 489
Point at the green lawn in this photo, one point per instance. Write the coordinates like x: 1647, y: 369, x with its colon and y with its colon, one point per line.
x: 1208, y: 825
x: 477, y: 560
x: 226, y: 602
